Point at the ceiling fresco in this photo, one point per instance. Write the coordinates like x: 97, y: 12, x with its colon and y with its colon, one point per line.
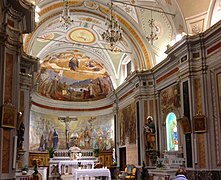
x: 72, y: 76
x: 77, y: 57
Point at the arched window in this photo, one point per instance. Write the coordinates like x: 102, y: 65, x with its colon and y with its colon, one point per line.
x: 172, y: 134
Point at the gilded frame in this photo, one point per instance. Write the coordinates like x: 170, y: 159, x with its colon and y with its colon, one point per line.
x: 199, y: 124
x: 9, y: 116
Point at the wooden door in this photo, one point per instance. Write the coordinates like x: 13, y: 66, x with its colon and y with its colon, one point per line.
x: 123, y: 158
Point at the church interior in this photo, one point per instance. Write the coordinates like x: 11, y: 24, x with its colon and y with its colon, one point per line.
x: 110, y: 88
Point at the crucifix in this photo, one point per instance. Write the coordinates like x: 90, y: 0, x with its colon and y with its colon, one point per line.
x: 67, y: 121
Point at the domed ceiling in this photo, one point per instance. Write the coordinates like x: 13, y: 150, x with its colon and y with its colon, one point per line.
x: 75, y: 59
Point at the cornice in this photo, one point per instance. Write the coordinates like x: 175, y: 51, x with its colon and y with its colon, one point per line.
x: 71, y: 106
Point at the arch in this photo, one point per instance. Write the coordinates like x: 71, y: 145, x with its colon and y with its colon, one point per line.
x: 171, y: 132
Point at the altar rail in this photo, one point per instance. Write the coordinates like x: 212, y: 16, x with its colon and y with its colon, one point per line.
x: 87, y: 154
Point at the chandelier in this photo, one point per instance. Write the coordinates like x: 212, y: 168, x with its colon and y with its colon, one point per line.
x: 153, y: 31
x: 113, y: 32
x: 65, y: 17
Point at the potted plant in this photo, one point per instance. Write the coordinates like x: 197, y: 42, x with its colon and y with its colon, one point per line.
x: 35, y: 175
x: 51, y: 152
x: 96, y: 152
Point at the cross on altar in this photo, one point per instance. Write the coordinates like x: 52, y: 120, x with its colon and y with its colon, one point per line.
x: 67, y: 121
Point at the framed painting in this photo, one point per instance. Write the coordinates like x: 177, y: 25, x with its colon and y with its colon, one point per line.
x: 199, y: 124
x: 185, y: 124
x: 9, y: 116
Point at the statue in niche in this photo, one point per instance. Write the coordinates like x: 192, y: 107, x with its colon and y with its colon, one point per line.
x: 20, y: 131
x: 149, y: 134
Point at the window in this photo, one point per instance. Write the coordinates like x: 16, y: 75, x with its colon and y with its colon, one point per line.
x: 172, y: 134
x: 128, y: 68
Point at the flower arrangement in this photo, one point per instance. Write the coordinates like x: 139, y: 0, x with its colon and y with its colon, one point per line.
x: 160, y: 164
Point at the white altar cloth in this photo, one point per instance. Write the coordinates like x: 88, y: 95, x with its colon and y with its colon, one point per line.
x: 73, y: 164
x: 91, y: 173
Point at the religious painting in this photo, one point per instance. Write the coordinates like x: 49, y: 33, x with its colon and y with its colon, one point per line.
x: 50, y: 131
x: 185, y: 125
x: 127, y: 125
x: 8, y: 116
x: 73, y: 76
x: 82, y: 35
x: 170, y: 98
x: 199, y: 124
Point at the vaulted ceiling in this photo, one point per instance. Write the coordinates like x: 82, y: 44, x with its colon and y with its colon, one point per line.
x: 55, y: 46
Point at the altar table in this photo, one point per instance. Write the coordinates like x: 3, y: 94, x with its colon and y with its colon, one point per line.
x: 91, y: 173
x: 66, y: 167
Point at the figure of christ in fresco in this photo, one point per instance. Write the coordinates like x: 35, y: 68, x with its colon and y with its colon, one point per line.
x: 73, y: 63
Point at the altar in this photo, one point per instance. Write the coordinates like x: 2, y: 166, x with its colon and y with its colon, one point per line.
x: 102, y: 172
x: 163, y: 174
x: 68, y: 166
x: 63, y: 164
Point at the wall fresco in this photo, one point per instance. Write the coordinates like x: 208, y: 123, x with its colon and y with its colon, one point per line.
x: 72, y: 76
x: 127, y: 125
x: 170, y: 98
x: 93, y: 132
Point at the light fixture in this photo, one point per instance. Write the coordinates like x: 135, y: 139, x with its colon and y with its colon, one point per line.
x: 113, y: 33
x: 153, y: 30
x: 65, y: 17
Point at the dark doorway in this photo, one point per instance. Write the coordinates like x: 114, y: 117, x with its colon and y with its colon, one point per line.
x: 122, y: 158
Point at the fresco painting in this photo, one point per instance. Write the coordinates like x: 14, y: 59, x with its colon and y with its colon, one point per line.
x: 127, y: 125
x: 170, y: 98
x: 71, y: 76
x: 93, y: 132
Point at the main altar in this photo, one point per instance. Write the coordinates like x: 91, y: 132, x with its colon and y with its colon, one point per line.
x: 75, y: 163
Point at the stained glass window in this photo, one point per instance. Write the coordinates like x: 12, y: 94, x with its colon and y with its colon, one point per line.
x: 172, y: 134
